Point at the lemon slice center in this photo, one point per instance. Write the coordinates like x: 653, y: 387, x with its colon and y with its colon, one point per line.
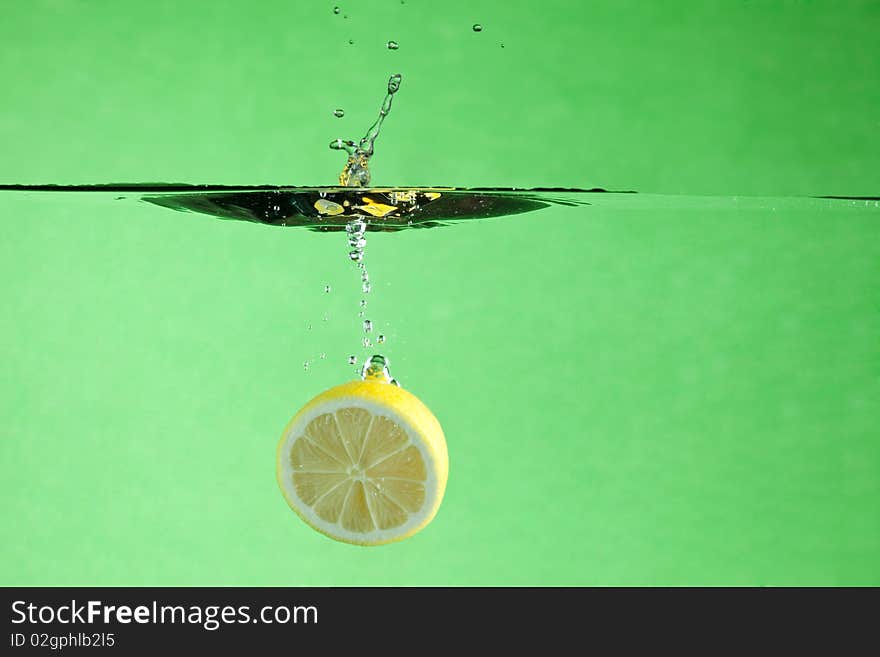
x: 358, y: 470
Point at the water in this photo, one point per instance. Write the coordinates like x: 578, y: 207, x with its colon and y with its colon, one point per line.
x: 722, y: 350
x: 674, y: 386
x: 356, y: 172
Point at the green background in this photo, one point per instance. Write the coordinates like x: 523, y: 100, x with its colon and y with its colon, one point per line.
x: 639, y: 395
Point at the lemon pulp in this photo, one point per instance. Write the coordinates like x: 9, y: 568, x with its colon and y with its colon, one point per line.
x: 364, y: 463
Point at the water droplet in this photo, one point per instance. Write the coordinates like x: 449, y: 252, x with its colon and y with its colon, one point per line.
x: 368, y: 326
x: 356, y: 255
x: 339, y: 113
x: 392, y: 45
x: 366, y: 287
x: 336, y: 10
x: 478, y: 27
x: 327, y: 288
x: 380, y: 339
x: 352, y: 360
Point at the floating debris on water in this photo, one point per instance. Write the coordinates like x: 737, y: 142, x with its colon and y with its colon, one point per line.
x: 332, y: 208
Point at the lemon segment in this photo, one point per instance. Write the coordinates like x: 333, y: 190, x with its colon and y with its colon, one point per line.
x: 364, y: 462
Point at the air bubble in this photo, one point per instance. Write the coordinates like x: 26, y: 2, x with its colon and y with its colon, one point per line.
x: 352, y: 360
x: 327, y: 289
x: 368, y: 326
x: 377, y: 369
x: 478, y: 27
x: 366, y: 287
x: 339, y: 113
x: 356, y: 255
x: 392, y: 45
x: 363, y: 303
x: 366, y: 342
x: 336, y: 10
x: 380, y: 339
x: 323, y: 356
x: 356, y: 226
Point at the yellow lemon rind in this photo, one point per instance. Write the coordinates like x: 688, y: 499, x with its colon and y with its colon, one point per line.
x: 410, y: 414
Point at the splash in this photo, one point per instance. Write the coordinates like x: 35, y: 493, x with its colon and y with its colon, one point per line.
x: 356, y: 172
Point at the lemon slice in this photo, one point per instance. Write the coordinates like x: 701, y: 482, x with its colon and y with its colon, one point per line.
x: 364, y: 462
